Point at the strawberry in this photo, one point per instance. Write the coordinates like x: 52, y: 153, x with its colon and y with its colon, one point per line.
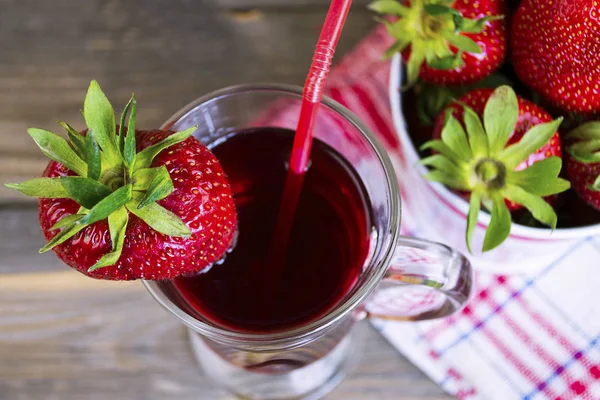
x: 510, y: 160
x: 583, y: 162
x: 554, y: 49
x: 446, y: 42
x: 530, y: 115
x: 122, y: 204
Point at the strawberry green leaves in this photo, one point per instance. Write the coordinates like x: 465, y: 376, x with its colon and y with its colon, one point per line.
x: 121, y: 132
x: 587, y: 131
x: 113, y: 180
x: 76, y: 139
x: 463, y: 43
x: 434, y: 32
x: 93, y: 156
x: 128, y: 148
x: 584, y: 143
x: 480, y: 162
x: 540, y: 210
x: 443, y: 163
x: 440, y: 9
x: 56, y: 148
x: 85, y: 191
x: 142, y: 177
x: 478, y: 25
x: 41, y: 187
x: 474, y: 208
x: 390, y: 7
x: 100, y: 119
x: 535, y: 138
x: 499, y: 227
x: 413, y: 66
x: 107, y: 205
x: 596, y: 185
x: 145, y: 157
x: 499, y: 125
x: 587, y: 151
x: 455, y: 138
x: 102, y: 210
x: 448, y: 62
x: 68, y: 220
x: 159, y: 187
x: 583, y: 148
x: 117, y: 225
x: 159, y: 218
x: 539, y: 178
x: 478, y: 140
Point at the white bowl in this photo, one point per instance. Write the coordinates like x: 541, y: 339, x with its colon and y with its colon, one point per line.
x: 433, y: 212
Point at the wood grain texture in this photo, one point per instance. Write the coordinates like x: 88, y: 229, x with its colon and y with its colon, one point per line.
x: 67, y: 337
x: 20, y: 240
x: 169, y: 52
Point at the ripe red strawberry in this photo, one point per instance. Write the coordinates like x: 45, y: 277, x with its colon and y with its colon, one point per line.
x: 151, y: 205
x: 555, y: 47
x: 448, y: 42
x: 501, y: 151
x: 530, y: 115
x: 583, y: 162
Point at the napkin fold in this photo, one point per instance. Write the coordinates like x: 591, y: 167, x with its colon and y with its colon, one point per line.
x: 520, y: 337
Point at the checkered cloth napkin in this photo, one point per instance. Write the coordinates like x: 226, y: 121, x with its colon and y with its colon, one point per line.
x: 520, y: 337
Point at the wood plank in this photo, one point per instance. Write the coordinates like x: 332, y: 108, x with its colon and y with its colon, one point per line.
x: 20, y: 240
x: 167, y: 52
x: 67, y: 337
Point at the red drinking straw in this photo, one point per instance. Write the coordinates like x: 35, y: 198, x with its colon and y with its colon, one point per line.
x: 315, y: 83
x: 311, y: 98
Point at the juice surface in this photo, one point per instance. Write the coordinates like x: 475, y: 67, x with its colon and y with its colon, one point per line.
x: 327, y: 247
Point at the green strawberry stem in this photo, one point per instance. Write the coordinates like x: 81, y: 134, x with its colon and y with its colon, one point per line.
x: 430, y: 28
x: 112, y: 178
x: 432, y: 99
x: 478, y: 161
x: 585, y: 142
x: 585, y: 147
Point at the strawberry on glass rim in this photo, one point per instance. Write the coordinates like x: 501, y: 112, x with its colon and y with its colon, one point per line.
x: 500, y: 161
x: 119, y: 203
x: 446, y: 42
x: 583, y: 162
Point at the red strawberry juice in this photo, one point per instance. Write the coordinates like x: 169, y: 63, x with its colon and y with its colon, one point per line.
x: 327, y: 248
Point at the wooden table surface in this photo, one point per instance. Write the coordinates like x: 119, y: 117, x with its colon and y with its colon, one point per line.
x: 66, y: 337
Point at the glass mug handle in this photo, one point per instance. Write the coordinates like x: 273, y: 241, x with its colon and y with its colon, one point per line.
x: 425, y: 280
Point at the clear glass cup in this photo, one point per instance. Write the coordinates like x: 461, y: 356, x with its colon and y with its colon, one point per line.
x: 402, y: 278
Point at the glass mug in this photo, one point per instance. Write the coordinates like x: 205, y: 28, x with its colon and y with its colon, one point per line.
x: 402, y: 278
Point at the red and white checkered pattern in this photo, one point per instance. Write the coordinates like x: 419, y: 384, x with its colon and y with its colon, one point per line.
x: 535, y: 337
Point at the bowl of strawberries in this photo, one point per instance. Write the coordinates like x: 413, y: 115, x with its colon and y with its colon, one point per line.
x: 497, y: 107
